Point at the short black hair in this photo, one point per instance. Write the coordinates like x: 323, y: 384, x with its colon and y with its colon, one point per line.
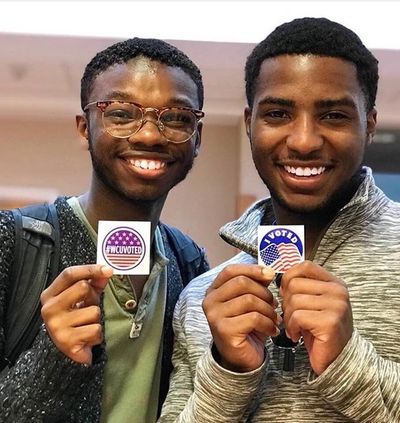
x: 124, y: 51
x: 320, y: 37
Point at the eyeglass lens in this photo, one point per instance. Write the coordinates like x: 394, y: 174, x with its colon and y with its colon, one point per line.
x: 125, y: 119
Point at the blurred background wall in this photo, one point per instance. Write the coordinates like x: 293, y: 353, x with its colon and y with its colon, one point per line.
x: 40, y: 155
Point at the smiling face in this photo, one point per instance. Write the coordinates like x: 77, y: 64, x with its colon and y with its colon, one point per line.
x: 145, y: 166
x: 308, y: 129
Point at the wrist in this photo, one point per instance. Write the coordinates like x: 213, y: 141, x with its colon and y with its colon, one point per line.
x: 222, y: 362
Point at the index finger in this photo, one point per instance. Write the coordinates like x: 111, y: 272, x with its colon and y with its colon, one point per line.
x: 261, y: 274
x: 73, y: 274
x: 308, y: 270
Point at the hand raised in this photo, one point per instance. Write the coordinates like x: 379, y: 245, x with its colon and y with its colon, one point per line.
x: 241, y: 313
x: 71, y: 312
x: 316, y: 305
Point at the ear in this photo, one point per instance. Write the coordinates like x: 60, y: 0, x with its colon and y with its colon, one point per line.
x: 198, y: 139
x: 247, y: 121
x: 371, y: 124
x: 83, y: 131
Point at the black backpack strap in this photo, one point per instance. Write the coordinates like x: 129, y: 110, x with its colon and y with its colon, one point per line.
x: 36, y: 260
x: 187, y: 260
x: 191, y: 259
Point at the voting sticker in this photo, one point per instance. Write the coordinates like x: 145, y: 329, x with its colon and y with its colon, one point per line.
x: 124, y: 246
x: 280, y: 247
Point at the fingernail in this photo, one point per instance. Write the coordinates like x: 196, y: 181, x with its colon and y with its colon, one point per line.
x: 267, y: 272
x: 107, y: 270
x: 277, y: 331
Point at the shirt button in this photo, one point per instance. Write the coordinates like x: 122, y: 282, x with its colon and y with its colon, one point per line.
x: 130, y: 304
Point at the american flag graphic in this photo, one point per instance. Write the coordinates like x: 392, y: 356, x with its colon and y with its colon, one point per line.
x: 123, y: 248
x: 281, y: 257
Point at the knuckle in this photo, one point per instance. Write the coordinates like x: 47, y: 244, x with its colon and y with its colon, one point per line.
x: 91, y: 271
x: 61, y: 338
x: 255, y: 318
x: 206, y: 304
x: 43, y: 296
x: 68, y: 273
x: 229, y: 271
x: 295, y: 316
x: 84, y: 288
x: 293, y: 300
x: 98, y: 332
x: 242, y: 282
x: 249, y: 301
x: 332, y: 321
x: 220, y: 327
x: 44, y: 311
x: 211, y: 316
x: 308, y: 265
x: 96, y: 313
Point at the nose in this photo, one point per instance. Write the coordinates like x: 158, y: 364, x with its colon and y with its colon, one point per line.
x: 149, y: 133
x: 305, y: 136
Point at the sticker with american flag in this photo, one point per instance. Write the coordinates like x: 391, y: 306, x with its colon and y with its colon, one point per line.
x: 280, y: 247
x: 124, y: 245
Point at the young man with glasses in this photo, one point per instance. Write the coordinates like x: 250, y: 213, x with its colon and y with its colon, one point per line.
x: 141, y: 122
x: 311, y: 88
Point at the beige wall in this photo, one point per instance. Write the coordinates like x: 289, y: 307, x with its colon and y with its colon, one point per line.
x: 43, y: 154
x: 45, y: 157
x: 207, y: 198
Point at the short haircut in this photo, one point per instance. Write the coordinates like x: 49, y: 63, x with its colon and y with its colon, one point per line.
x: 320, y: 37
x: 124, y: 51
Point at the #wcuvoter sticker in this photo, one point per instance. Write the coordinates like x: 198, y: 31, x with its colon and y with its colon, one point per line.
x: 124, y: 246
x: 280, y: 247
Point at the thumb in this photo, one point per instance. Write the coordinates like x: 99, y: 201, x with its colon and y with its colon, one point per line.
x: 83, y: 354
x: 101, y: 282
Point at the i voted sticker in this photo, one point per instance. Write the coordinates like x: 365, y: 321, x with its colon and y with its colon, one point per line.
x: 280, y: 247
x: 124, y: 246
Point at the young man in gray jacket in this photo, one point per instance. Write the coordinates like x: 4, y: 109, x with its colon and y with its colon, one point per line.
x: 311, y: 88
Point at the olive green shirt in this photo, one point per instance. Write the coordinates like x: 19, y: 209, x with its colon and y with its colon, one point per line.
x: 133, y: 335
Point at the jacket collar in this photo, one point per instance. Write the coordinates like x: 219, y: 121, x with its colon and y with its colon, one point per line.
x: 367, y: 202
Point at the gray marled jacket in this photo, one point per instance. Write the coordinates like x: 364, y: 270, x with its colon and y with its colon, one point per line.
x: 361, y: 246
x: 44, y: 385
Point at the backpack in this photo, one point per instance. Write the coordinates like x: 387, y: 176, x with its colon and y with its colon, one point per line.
x: 37, y: 256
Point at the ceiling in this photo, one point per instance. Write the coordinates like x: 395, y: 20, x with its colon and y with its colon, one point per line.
x: 40, y: 76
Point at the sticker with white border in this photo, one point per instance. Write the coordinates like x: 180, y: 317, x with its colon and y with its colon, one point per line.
x: 280, y: 246
x: 124, y: 246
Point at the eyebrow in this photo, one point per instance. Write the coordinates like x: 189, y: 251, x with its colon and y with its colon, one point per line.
x: 117, y: 95
x: 329, y: 103
x: 276, y: 101
x: 175, y: 101
x: 344, y: 101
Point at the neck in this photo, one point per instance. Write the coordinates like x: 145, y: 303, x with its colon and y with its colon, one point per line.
x: 315, y: 224
x: 101, y: 204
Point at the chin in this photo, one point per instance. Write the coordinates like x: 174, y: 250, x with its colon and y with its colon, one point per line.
x: 303, y: 207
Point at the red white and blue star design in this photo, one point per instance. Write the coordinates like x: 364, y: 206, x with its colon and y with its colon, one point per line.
x: 124, y: 246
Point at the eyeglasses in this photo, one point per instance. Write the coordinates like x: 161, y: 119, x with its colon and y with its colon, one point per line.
x: 122, y: 119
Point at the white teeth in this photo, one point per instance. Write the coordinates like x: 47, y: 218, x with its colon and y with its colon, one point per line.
x: 305, y: 171
x: 147, y: 164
